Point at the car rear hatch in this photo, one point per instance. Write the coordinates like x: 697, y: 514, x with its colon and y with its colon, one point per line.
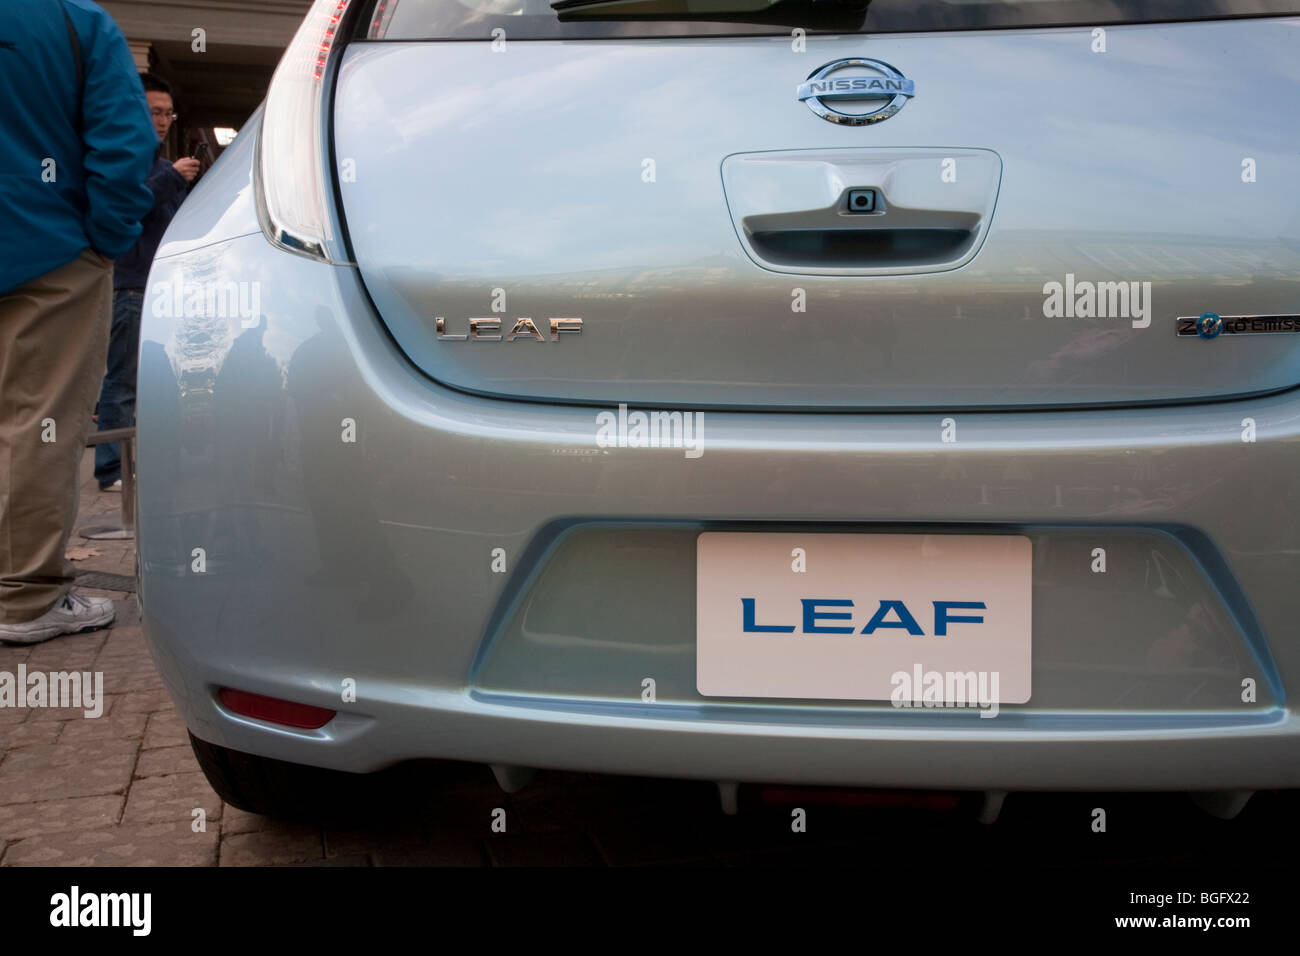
x: 1045, y: 204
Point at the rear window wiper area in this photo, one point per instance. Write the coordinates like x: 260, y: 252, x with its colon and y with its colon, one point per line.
x: 817, y: 14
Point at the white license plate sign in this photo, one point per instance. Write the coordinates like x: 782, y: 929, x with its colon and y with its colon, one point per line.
x: 845, y: 616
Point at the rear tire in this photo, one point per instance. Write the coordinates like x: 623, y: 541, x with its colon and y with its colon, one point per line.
x: 276, y: 788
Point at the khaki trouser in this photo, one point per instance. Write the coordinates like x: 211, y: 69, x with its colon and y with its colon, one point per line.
x: 53, y: 352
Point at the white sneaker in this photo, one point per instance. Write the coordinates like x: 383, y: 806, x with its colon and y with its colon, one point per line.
x: 71, y: 614
x: 115, y: 486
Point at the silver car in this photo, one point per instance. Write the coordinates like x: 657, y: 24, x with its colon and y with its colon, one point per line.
x: 895, y: 395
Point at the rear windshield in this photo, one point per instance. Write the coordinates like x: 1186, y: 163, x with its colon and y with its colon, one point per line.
x: 535, y: 20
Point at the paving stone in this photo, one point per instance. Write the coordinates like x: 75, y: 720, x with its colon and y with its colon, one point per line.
x: 542, y: 849
x: 235, y: 820
x: 21, y: 820
x: 58, y: 755
x: 106, y: 775
x: 376, y: 834
x: 359, y: 859
x: 127, y: 675
x: 155, y: 844
x: 11, y: 655
x: 166, y: 760
x: 109, y: 727
x: 141, y: 702
x: 125, y: 641
x: 67, y: 713
x: 466, y: 813
x: 166, y: 729
x: 174, y: 797
x: 30, y: 734
x: 56, y: 771
x: 280, y: 843
x: 117, y: 597
x: 633, y: 845
x: 69, y: 652
x: 448, y: 853
x: 128, y: 613
x: 555, y: 802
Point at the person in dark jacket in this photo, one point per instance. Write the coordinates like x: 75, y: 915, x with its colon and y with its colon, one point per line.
x: 75, y: 148
x: 168, y: 181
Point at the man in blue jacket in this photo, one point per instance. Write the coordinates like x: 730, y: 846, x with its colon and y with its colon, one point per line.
x: 168, y: 182
x: 76, y: 145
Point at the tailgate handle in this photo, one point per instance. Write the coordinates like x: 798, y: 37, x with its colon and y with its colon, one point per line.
x: 802, y: 210
x: 836, y: 236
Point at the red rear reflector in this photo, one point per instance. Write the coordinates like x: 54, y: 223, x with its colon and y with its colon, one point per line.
x: 273, y: 709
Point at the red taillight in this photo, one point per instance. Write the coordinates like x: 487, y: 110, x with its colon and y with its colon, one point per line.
x: 379, y: 23
x: 327, y: 39
x: 273, y: 709
x: 292, y: 187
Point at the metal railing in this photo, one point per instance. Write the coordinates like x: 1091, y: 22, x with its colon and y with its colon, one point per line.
x: 127, y: 528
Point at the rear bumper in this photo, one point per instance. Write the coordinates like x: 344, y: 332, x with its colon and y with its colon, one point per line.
x: 349, y: 512
x: 450, y: 724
